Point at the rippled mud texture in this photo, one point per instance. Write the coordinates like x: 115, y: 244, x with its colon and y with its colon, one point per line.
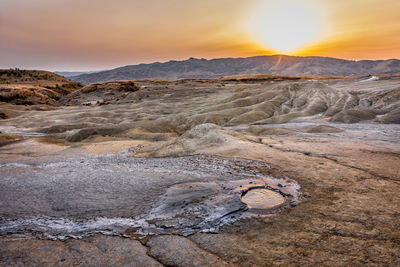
x: 347, y: 174
x: 144, y: 110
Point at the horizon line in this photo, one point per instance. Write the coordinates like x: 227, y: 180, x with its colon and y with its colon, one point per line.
x: 189, y: 58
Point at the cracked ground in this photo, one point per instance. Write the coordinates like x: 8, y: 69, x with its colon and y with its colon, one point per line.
x: 349, y: 175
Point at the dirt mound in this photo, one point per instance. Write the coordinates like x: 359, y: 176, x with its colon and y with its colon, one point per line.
x: 197, y: 139
x: 353, y: 116
x: 6, y: 139
x: 28, y: 96
x: 61, y: 128
x: 86, y: 133
x: 324, y: 129
x: 101, y: 93
x: 259, y: 130
x: 391, y: 117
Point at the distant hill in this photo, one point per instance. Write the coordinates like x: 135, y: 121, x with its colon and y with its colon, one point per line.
x: 214, y: 68
x: 10, y: 76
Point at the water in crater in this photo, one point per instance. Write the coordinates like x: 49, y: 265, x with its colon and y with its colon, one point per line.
x: 262, y: 199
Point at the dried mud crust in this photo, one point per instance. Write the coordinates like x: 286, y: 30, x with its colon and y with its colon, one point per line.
x: 93, y: 251
x: 349, y: 217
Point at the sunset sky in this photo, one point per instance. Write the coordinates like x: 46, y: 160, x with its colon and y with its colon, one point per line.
x: 84, y: 35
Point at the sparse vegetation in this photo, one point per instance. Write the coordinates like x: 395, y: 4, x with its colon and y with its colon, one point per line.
x: 32, y: 87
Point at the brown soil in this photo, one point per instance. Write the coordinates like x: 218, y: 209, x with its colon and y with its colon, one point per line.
x: 101, y: 93
x: 33, y: 87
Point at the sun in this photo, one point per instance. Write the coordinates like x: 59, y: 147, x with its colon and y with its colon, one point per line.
x: 286, y: 25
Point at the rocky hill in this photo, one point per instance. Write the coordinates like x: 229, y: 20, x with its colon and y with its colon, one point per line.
x: 276, y: 64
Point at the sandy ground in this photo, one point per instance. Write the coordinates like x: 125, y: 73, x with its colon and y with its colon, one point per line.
x: 348, y: 180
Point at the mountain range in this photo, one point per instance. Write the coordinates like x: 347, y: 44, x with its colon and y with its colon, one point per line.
x: 215, y: 68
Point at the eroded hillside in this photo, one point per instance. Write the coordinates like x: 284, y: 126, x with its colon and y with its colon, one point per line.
x: 152, y: 109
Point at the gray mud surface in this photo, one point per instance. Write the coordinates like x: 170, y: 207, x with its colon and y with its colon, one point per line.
x: 114, y: 192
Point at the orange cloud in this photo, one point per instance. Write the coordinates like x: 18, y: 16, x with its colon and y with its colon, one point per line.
x: 86, y: 34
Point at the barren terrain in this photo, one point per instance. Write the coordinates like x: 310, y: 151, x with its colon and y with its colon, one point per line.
x: 156, y: 172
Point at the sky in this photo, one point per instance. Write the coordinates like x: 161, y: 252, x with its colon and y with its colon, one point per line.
x: 82, y: 35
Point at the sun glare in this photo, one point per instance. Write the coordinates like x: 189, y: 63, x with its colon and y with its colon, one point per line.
x: 286, y: 25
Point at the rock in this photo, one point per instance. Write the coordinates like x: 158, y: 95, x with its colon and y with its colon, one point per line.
x: 178, y: 251
x: 94, y: 251
x: 259, y: 130
x: 3, y: 115
x: 324, y: 129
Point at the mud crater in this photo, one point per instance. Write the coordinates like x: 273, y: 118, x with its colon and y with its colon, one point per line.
x: 206, y: 206
x: 136, y: 196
